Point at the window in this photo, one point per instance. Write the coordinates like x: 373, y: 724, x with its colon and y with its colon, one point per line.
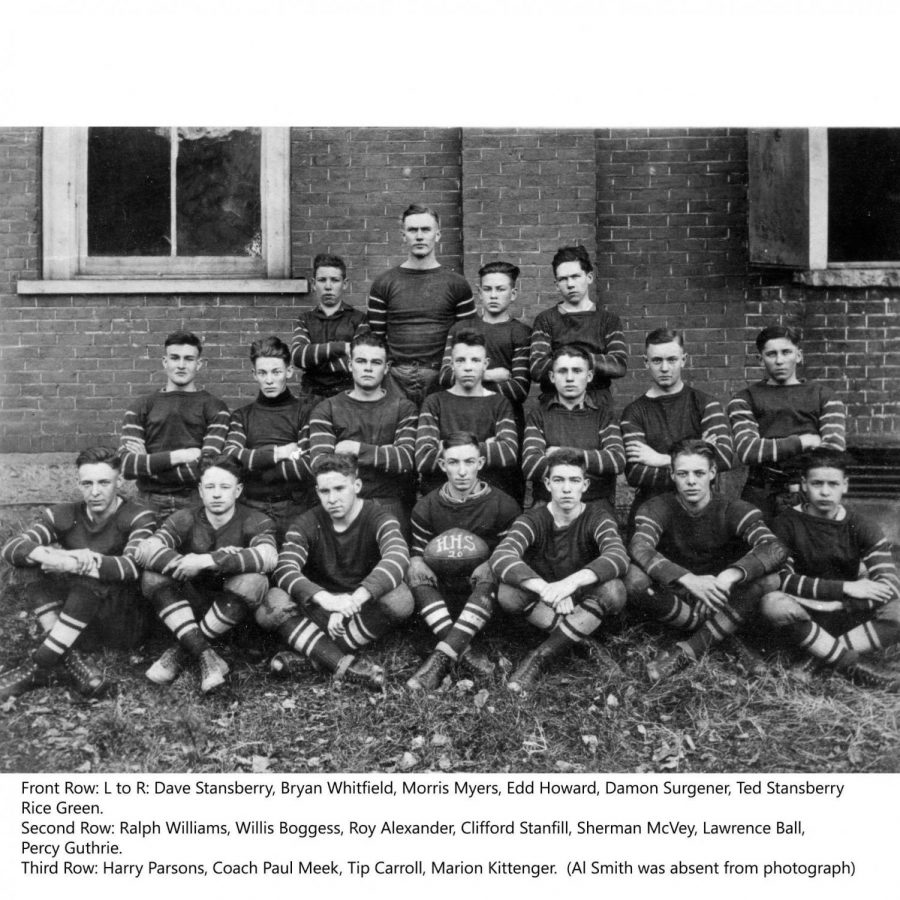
x: 166, y: 203
x: 826, y: 199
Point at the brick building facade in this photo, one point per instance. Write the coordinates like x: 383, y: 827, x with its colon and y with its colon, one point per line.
x: 663, y: 212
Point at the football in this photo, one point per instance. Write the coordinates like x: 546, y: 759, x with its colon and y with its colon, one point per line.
x: 455, y: 552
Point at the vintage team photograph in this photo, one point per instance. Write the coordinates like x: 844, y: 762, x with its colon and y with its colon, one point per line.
x: 449, y: 449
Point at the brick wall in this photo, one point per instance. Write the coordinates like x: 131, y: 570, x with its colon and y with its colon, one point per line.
x: 851, y: 341
x: 350, y: 185
x: 672, y: 245
x: 526, y: 193
x: 664, y: 213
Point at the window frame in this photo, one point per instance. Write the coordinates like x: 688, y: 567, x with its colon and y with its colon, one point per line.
x: 806, y: 215
x: 65, y: 221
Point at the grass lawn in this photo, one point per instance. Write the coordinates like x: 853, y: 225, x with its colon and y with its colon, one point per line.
x: 590, y: 713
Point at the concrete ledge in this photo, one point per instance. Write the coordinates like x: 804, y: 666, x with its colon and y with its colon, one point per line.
x: 39, y: 478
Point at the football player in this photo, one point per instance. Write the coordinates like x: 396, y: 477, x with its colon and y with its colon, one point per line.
x: 778, y: 418
x: 210, y: 561
x: 560, y: 566
x: 83, y: 559
x: 824, y: 606
x: 701, y: 562
x: 667, y: 412
x: 465, y: 502
x: 339, y: 582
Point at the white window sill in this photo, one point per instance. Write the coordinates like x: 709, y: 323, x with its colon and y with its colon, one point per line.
x: 165, y: 286
x: 850, y: 278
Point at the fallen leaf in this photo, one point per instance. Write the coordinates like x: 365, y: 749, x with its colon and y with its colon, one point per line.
x: 408, y: 761
x: 590, y: 741
x: 288, y: 703
x: 480, y: 698
x: 444, y: 763
x: 440, y: 740
x: 417, y: 742
x: 612, y: 701
x: 260, y: 764
x: 464, y: 685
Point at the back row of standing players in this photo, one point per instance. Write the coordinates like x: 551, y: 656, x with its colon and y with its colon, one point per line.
x: 418, y: 387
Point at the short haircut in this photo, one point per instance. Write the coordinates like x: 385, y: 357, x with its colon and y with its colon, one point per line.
x: 342, y: 463
x: 461, y: 439
x: 664, y: 336
x: 498, y: 267
x: 95, y: 455
x: 221, y: 461
x: 570, y: 350
x: 774, y: 332
x: 572, y: 254
x: 329, y: 261
x: 824, y: 458
x: 566, y: 457
x: 470, y: 337
x: 272, y: 347
x: 368, y: 339
x: 184, y: 337
x: 693, y: 447
x: 416, y: 209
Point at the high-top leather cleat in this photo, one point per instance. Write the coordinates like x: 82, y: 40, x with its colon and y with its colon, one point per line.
x: 213, y: 670
x: 169, y: 666
x: 431, y: 673
x: 668, y: 663
x: 87, y: 677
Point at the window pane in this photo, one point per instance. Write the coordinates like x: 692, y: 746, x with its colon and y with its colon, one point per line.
x: 128, y: 192
x: 863, y: 194
x: 218, y: 211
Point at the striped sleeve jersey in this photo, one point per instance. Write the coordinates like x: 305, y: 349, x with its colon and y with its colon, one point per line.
x: 70, y: 526
x: 488, y: 512
x: 245, y: 543
x: 671, y: 541
x: 661, y: 421
x: 171, y: 420
x: 508, y: 345
x: 489, y: 418
x: 767, y: 421
x: 588, y: 428
x: 824, y: 553
x: 319, y: 346
x: 254, y: 432
x: 414, y: 310
x: 598, y: 331
x: 386, y: 431
x: 371, y: 553
x: 535, y: 546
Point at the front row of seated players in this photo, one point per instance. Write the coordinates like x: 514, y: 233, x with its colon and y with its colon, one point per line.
x: 81, y: 557
x: 700, y: 563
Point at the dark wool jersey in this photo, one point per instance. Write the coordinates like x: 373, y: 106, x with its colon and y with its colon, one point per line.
x: 166, y: 421
x: 669, y: 541
x: 70, y: 526
x: 487, y: 514
x: 414, y: 309
x: 596, y: 330
x: 371, y: 553
x: 319, y: 345
x: 255, y: 431
x: 190, y: 531
x: 824, y: 553
x: 489, y: 418
x: 661, y: 421
x: 386, y: 431
x: 768, y: 419
x: 508, y: 345
x: 535, y: 546
x: 589, y: 428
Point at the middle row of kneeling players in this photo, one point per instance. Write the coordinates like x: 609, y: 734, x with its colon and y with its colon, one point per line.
x: 344, y: 576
